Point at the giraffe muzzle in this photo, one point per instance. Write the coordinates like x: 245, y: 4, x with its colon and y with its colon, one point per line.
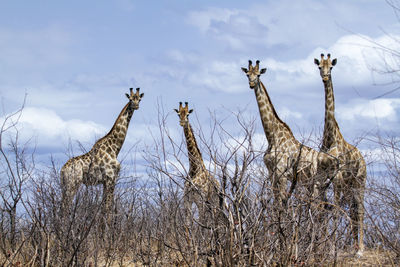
x: 325, y: 78
x: 252, y: 84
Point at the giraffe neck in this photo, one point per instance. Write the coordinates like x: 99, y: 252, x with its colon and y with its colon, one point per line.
x: 196, y: 163
x: 331, y: 129
x: 117, y: 134
x: 275, y: 129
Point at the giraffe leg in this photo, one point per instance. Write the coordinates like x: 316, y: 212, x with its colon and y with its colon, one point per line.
x: 318, y: 196
x: 336, y: 193
x: 277, y: 209
x: 354, y: 222
x: 105, y: 219
x: 108, y: 195
x: 277, y: 187
x: 67, y: 199
x: 111, y: 175
x: 71, y: 178
x: 281, y: 201
x: 328, y: 175
x: 191, y: 238
x: 187, y: 204
x: 360, y: 225
x: 68, y: 191
x: 282, y: 189
x: 359, y: 199
x: 201, y: 206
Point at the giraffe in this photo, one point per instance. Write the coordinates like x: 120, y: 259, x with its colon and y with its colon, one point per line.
x: 100, y: 164
x: 350, y: 180
x: 200, y: 188
x: 286, y: 157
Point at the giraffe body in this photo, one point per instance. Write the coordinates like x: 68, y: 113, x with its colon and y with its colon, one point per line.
x: 349, y: 183
x: 200, y: 188
x: 286, y: 158
x: 100, y: 164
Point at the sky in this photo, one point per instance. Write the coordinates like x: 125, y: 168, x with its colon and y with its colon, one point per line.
x: 75, y: 60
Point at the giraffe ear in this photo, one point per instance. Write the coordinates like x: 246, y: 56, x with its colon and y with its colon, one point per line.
x: 127, y: 96
x: 334, y: 62
x: 245, y: 70
x: 190, y: 111
x: 141, y: 95
x: 176, y: 110
x: 263, y: 70
x: 316, y: 61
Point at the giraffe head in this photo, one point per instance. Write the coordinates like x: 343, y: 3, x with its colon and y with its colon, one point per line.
x: 183, y: 113
x: 253, y: 73
x: 325, y: 66
x: 134, y: 98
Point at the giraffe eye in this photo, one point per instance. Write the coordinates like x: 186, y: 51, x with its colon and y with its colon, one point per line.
x: 319, y: 67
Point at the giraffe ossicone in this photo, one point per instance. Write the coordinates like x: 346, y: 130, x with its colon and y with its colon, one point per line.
x: 100, y: 165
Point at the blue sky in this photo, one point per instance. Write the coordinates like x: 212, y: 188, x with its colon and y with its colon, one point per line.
x: 77, y: 59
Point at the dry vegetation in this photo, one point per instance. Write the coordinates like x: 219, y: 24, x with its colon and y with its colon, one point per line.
x: 148, y: 226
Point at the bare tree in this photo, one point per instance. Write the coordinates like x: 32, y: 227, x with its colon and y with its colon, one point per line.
x: 17, y: 168
x: 383, y: 204
x: 389, y: 65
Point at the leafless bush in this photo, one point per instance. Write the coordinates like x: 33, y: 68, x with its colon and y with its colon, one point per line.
x: 17, y: 166
x: 149, y: 226
x: 383, y: 203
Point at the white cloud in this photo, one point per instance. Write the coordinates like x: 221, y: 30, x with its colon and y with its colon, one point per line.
x: 384, y: 108
x: 265, y: 25
x: 240, y: 31
x: 285, y: 113
x: 192, y: 70
x: 306, y: 23
x: 218, y: 75
x: 204, y: 19
x: 356, y: 55
x: 52, y: 131
x: 237, y: 29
